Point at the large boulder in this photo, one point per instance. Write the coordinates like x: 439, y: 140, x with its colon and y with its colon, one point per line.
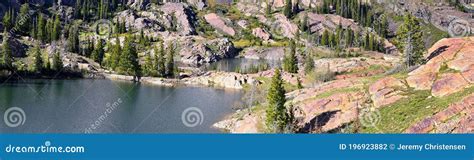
x: 317, y: 111
x: 282, y: 27
x: 273, y: 53
x: 282, y: 3
x: 198, y: 50
x: 386, y: 91
x: 243, y: 24
x: 182, y: 15
x: 320, y: 22
x: 449, y: 69
x: 448, y: 83
x: 219, y: 24
x: 128, y: 16
x: 326, y: 114
x: 287, y: 77
x: 172, y: 16
x: 249, y: 9
x: 199, y: 4
x: 221, y: 79
x: 248, y: 123
x: 261, y: 33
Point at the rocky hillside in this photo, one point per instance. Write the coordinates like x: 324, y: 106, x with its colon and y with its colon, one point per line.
x: 437, y: 97
x: 352, y: 66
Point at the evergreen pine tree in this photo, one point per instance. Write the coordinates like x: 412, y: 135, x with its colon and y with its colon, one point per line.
x: 332, y: 40
x: 268, y: 10
x: 128, y: 63
x: 276, y: 118
x: 90, y: 48
x: 298, y: 83
x: 56, y: 29
x: 142, y: 39
x: 57, y: 62
x: 77, y: 9
x: 349, y: 37
x: 148, y: 66
x: 308, y: 64
x: 356, y: 42
x: 366, y: 41
x: 73, y: 39
x: 170, y: 60
x: 47, y: 65
x: 7, y: 53
x: 38, y: 59
x: 288, y: 11
x: 156, y: 62
x: 410, y: 40
x: 339, y: 33
x: 49, y: 30
x: 304, y: 23
x: 33, y: 30
x: 7, y: 20
x: 115, y: 55
x: 98, y: 53
x: 23, y: 20
x: 383, y: 27
x: 40, y: 31
x: 325, y: 38
x: 290, y: 61
x: 161, y: 61
x: 372, y: 43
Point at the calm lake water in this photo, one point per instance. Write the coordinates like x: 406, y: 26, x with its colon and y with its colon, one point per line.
x: 243, y: 64
x: 103, y: 106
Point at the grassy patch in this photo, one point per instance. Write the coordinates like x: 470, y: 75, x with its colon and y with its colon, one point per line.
x: 445, y: 69
x: 333, y: 92
x: 417, y: 106
x: 243, y: 43
x: 369, y: 69
x: 266, y: 81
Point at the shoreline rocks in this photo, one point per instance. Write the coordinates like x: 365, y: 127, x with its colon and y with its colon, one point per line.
x: 221, y: 79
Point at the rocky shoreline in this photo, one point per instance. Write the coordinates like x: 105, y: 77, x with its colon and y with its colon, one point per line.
x: 216, y: 79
